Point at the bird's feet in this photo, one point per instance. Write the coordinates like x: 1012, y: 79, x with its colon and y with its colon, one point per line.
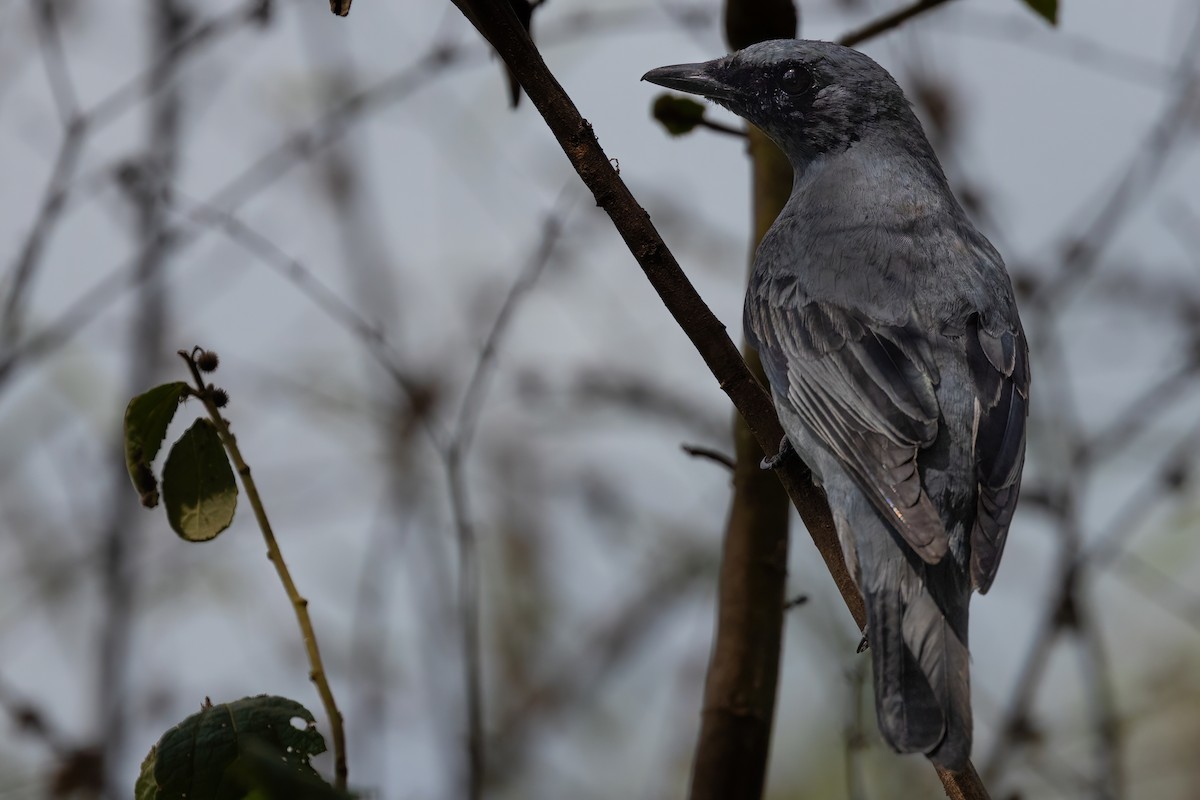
x: 785, y: 450
x: 863, y: 644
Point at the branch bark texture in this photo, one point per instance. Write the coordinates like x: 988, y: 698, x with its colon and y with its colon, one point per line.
x: 500, y: 26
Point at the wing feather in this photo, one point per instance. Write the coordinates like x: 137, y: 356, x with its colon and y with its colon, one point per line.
x: 863, y: 390
x: 1000, y: 369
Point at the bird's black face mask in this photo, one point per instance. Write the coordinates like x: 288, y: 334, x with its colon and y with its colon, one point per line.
x: 791, y: 100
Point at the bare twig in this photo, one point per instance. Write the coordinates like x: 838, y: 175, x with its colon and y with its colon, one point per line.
x: 454, y: 455
x: 569, y: 678
x: 889, y: 21
x: 1165, y: 591
x: 716, y: 456
x: 1024, y: 30
x: 1142, y: 171
x: 722, y: 128
x: 1109, y: 781
x: 22, y: 272
x: 324, y: 298
x: 1149, y: 405
x: 66, y: 100
x: 186, y: 45
x: 855, y: 733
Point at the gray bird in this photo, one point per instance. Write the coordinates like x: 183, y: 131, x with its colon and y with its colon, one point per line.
x: 888, y: 330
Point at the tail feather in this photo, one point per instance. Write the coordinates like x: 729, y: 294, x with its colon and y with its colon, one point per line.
x: 921, y: 665
x: 909, y: 715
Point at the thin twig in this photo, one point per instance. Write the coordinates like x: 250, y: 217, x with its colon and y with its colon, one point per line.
x: 54, y: 198
x: 1149, y: 406
x: 721, y: 127
x: 567, y: 679
x: 473, y: 396
x: 454, y: 456
x: 1141, y: 172
x: 1024, y: 30
x: 1165, y: 591
x: 1115, y: 537
x: 324, y: 298
x: 468, y: 613
x: 888, y: 21
x: 275, y: 556
x: 149, y: 80
x: 717, y: 456
x: 855, y: 734
x: 78, y: 125
x: 1108, y: 782
x: 62, y: 88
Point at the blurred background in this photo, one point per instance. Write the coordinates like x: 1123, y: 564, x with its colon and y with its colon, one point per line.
x: 429, y: 332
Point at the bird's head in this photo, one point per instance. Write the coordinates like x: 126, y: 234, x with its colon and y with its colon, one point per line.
x: 811, y: 97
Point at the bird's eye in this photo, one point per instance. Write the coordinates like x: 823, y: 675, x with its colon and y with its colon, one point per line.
x: 796, y: 80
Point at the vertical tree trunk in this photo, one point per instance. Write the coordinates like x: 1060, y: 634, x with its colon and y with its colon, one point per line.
x: 740, y: 690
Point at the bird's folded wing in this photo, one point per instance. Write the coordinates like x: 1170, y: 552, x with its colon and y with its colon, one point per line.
x: 999, y: 362
x: 866, y: 391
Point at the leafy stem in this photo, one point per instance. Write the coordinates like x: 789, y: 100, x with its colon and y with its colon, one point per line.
x: 207, y: 394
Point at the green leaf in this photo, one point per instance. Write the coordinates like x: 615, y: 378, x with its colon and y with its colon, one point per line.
x: 230, y: 750
x: 1047, y: 9
x: 679, y: 115
x: 146, y: 419
x: 267, y: 777
x: 146, y: 788
x: 198, y: 486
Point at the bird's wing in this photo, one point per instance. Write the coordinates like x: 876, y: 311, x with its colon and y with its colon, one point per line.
x: 865, y: 390
x: 999, y: 362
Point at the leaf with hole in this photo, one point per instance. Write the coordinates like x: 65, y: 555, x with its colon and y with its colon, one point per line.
x: 260, y: 745
x: 198, y: 484
x: 146, y: 420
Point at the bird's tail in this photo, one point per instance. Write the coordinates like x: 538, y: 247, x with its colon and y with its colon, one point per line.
x: 917, y: 630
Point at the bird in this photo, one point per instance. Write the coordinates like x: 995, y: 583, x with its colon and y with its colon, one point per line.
x: 889, y: 334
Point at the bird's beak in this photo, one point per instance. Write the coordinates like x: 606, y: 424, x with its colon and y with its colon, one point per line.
x: 691, y: 78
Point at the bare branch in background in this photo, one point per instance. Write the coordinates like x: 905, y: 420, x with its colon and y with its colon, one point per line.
x: 1140, y: 173
x: 454, y: 457
x: 66, y: 99
x: 888, y: 22
x: 715, y: 456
